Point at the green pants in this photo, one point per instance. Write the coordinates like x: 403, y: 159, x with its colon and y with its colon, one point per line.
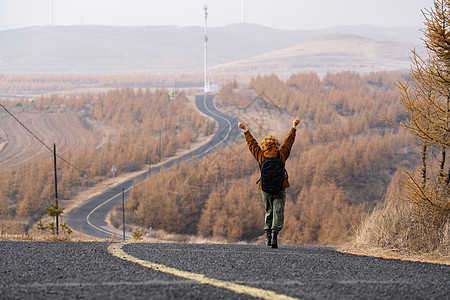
x: 274, y: 215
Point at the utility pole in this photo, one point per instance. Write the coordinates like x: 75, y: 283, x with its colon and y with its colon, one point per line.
x: 160, y: 140
x: 123, y: 212
x: 56, y: 188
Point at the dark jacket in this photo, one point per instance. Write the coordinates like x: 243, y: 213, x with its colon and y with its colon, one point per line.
x: 284, y: 151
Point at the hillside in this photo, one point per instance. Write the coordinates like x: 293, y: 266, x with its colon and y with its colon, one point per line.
x: 325, y: 54
x: 170, y: 49
x: 124, y: 128
x: 340, y: 165
x: 65, y: 129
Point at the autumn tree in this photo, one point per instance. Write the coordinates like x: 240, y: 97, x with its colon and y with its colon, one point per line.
x: 128, y: 122
x: 427, y: 102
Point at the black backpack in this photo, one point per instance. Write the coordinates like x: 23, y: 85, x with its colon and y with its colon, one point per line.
x: 272, y: 175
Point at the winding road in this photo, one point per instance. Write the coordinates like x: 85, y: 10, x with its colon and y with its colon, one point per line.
x: 90, y: 217
x: 104, y: 270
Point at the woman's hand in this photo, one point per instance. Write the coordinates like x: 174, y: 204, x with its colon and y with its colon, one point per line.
x: 242, y: 126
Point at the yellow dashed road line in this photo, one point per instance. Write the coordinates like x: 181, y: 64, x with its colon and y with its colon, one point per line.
x: 116, y: 250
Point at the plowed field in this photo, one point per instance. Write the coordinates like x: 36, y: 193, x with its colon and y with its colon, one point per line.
x: 17, y: 145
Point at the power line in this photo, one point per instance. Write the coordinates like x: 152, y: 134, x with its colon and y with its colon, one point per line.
x: 87, y: 173
x: 209, y: 149
x: 14, y: 117
x: 51, y: 150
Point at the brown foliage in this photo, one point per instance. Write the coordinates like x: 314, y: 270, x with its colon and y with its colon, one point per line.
x: 415, y: 217
x: 137, y: 117
x: 234, y: 212
x: 397, y: 227
x: 342, y: 152
x: 320, y: 215
x: 343, y: 146
x: 427, y: 103
x: 174, y: 198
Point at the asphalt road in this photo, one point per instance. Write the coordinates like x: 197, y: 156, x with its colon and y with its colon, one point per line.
x: 102, y: 270
x: 90, y: 217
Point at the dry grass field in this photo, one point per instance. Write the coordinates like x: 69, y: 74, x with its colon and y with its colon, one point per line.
x: 326, y: 54
x: 18, y: 146
x: 261, y: 118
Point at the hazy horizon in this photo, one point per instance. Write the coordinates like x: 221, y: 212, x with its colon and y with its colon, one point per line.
x: 284, y: 14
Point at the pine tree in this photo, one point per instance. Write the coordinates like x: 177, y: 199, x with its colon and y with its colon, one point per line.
x: 427, y: 102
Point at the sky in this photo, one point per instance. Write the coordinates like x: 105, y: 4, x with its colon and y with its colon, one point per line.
x: 281, y: 14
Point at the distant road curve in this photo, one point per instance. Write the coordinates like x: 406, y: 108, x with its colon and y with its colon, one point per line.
x: 90, y: 217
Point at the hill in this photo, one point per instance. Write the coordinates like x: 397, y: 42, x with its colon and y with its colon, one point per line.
x: 325, y: 54
x: 66, y: 129
x: 340, y: 165
x: 170, y: 49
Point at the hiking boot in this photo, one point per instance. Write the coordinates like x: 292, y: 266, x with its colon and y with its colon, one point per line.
x: 269, y: 239
x: 274, y: 240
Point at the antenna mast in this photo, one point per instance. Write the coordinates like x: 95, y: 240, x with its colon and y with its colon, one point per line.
x: 205, y: 8
x: 242, y: 12
x: 51, y: 13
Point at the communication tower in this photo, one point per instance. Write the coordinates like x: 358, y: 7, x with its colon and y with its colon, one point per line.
x: 51, y: 13
x: 209, y: 88
x: 207, y: 85
x: 242, y: 12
